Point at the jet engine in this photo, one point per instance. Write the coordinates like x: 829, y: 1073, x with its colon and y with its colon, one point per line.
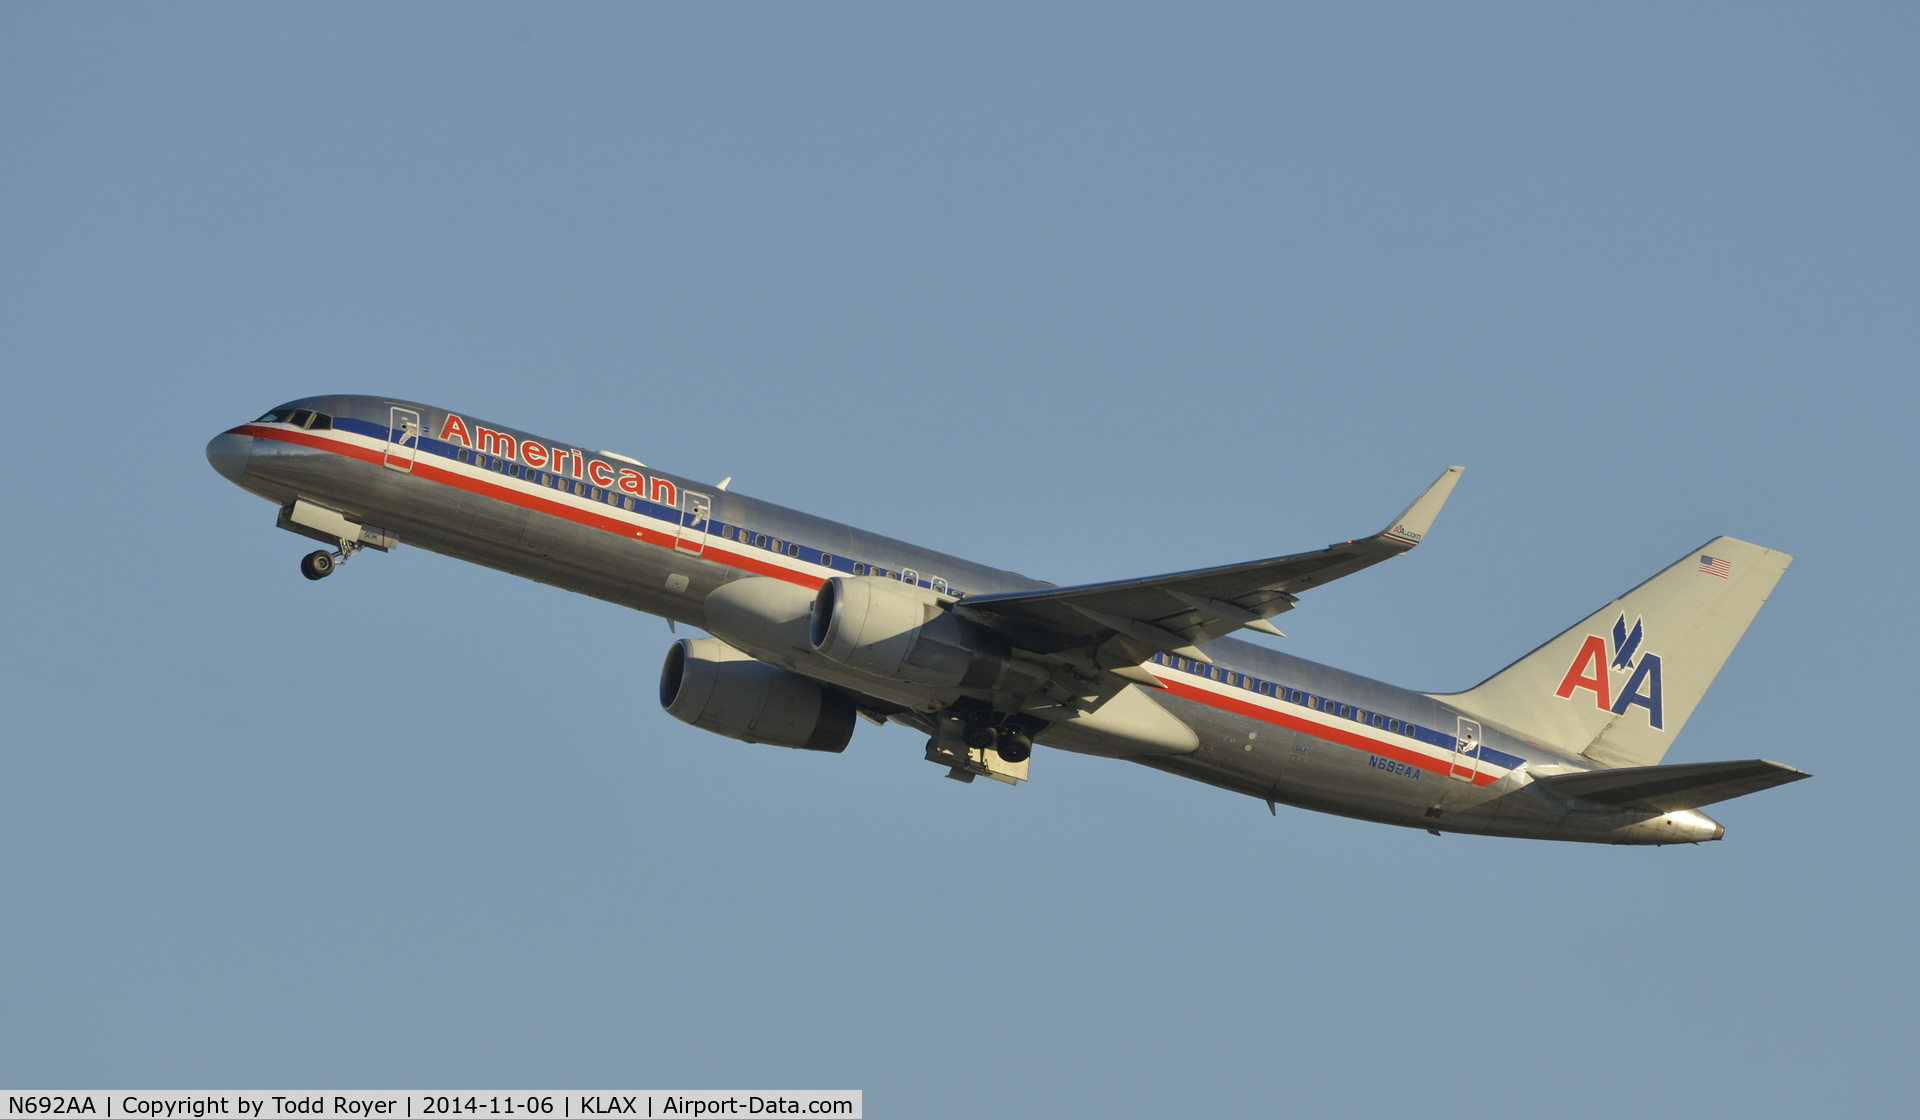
x: 713, y: 686
x: 890, y: 629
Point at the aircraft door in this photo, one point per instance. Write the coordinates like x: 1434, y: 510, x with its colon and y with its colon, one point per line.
x: 403, y: 440
x: 694, y: 509
x: 1466, y: 752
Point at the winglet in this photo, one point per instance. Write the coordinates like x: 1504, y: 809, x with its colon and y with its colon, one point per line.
x: 1416, y: 519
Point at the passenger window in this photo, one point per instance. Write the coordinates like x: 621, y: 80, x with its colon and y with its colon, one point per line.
x: 1411, y: 730
x: 1233, y: 679
x: 939, y: 585
x: 793, y: 550
x: 1393, y: 725
x: 760, y: 540
x: 908, y: 575
x: 859, y: 569
x: 1252, y: 684
x: 827, y: 559
x: 1379, y: 720
x: 893, y: 575
x: 1313, y: 702
x: 1346, y: 711
x: 1296, y: 696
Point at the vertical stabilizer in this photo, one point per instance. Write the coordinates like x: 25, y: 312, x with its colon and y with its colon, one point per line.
x: 1619, y: 686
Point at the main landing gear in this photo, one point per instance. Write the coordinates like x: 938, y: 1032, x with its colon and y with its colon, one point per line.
x: 1006, y: 736
x: 320, y: 565
x: 973, y: 740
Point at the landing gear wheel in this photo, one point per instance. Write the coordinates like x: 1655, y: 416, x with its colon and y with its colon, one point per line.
x: 981, y: 738
x: 317, y: 565
x: 1015, y: 747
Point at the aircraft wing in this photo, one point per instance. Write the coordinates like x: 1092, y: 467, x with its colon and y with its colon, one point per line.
x: 1174, y: 612
x: 1668, y: 789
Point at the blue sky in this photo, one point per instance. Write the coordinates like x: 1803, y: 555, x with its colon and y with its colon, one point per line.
x: 1087, y: 292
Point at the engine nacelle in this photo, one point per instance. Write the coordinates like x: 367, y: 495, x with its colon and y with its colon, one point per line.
x: 887, y: 628
x: 713, y: 686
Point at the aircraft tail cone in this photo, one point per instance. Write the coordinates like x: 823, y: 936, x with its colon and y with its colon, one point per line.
x: 1687, y: 826
x: 228, y: 453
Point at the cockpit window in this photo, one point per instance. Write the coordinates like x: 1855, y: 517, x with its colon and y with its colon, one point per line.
x: 299, y: 417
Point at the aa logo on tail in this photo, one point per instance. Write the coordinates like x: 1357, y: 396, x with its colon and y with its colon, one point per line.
x: 1592, y: 671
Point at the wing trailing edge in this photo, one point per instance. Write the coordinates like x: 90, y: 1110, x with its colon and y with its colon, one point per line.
x: 1178, y: 611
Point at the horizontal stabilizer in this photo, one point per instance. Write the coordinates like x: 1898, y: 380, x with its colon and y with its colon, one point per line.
x: 1668, y: 789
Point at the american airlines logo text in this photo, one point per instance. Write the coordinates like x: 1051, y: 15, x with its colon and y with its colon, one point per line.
x: 560, y: 460
x: 1592, y: 671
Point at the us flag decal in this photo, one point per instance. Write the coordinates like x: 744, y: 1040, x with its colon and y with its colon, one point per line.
x: 1714, y: 566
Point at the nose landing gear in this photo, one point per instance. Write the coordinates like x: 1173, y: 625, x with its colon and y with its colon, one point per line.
x: 320, y: 565
x: 316, y: 565
x: 330, y: 527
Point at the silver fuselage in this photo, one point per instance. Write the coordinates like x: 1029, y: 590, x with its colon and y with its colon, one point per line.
x: 589, y: 526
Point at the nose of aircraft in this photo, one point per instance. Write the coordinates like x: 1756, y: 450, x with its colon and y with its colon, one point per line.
x: 228, y: 453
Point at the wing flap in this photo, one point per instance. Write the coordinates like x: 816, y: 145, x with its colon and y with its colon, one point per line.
x: 1668, y: 789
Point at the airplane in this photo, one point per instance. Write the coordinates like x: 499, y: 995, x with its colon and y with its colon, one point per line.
x: 815, y: 625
